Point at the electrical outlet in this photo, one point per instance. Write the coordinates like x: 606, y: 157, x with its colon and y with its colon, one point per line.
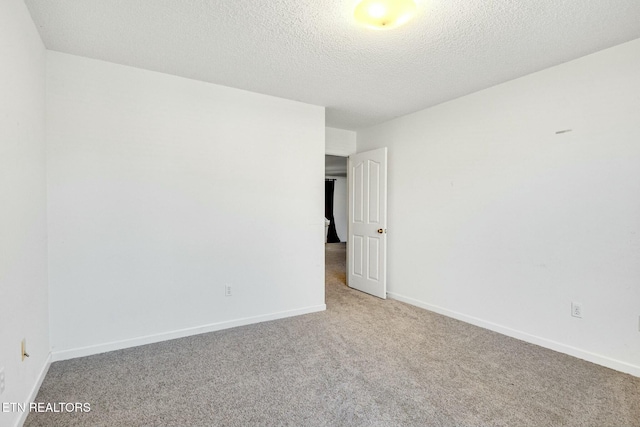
x: 1, y: 380
x: 576, y: 309
x: 227, y: 290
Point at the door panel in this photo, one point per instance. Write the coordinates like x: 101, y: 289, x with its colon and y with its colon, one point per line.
x: 374, y: 255
x: 356, y: 259
x: 358, y: 190
x: 374, y: 192
x: 368, y: 222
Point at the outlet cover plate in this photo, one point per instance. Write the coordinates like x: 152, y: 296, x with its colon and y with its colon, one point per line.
x: 576, y: 310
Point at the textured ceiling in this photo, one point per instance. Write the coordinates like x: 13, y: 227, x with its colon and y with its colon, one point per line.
x: 312, y: 51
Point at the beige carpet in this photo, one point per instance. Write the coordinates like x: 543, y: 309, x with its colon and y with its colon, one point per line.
x: 363, y: 362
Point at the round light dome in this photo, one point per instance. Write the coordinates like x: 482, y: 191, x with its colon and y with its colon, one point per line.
x: 383, y: 14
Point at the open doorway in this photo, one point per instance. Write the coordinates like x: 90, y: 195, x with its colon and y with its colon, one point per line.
x: 336, y: 196
x: 336, y: 210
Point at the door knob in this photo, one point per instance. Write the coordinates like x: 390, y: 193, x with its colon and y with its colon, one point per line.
x: 380, y: 231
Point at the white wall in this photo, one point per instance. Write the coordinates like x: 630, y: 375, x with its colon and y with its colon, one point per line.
x: 339, y: 142
x: 340, y: 206
x: 162, y: 190
x: 497, y: 220
x: 23, y: 239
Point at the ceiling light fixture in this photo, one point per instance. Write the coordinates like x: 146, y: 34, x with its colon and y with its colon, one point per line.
x: 383, y: 14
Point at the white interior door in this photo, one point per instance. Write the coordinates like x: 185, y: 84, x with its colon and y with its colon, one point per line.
x: 367, y: 241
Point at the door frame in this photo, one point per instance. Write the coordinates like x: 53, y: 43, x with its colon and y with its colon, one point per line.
x: 345, y: 156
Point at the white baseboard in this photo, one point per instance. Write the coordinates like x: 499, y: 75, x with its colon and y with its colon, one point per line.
x: 181, y: 333
x: 533, y: 339
x: 34, y: 390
